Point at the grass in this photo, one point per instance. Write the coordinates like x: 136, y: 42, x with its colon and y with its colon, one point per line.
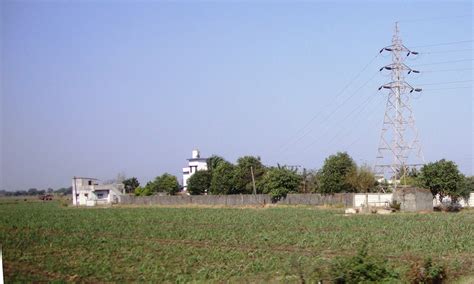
x: 44, y: 241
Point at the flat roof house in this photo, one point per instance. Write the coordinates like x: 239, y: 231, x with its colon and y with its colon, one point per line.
x: 195, y: 163
x: 89, y: 192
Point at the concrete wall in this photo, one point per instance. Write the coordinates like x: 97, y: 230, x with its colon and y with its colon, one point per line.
x: 239, y: 200
x: 374, y: 199
x: 225, y: 200
x: 345, y: 199
x: 414, y: 199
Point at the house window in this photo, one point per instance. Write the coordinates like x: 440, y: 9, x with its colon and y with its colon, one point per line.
x: 86, y: 194
x: 90, y: 182
x: 100, y: 195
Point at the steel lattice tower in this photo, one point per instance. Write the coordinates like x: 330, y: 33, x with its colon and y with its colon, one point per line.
x: 399, y: 148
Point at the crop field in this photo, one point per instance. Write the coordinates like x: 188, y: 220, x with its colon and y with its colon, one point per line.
x: 44, y: 241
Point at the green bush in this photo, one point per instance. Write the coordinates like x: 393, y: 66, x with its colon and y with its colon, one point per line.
x: 395, y: 205
x: 428, y: 272
x: 143, y: 191
x: 362, y: 268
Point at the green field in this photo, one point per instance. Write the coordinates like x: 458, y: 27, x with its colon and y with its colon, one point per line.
x: 46, y: 241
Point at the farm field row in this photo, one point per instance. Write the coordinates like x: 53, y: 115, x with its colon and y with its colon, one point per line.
x: 44, y: 241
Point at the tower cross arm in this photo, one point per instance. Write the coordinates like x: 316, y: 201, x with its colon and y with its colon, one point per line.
x: 398, y: 48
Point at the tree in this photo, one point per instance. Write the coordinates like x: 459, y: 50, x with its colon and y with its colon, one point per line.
x: 131, y: 184
x: 443, y: 177
x: 32, y: 191
x: 64, y: 190
x: 333, y: 174
x: 313, y: 178
x: 406, y: 175
x: 222, y: 180
x: 243, y: 174
x: 214, y: 161
x: 280, y: 181
x: 465, y: 187
x: 149, y: 188
x: 361, y: 179
x: 199, y: 182
x: 143, y: 191
x: 166, y: 183
x: 470, y: 183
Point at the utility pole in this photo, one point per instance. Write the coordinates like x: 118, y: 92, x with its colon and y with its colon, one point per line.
x: 253, y: 181
x: 399, y: 136
x: 304, y: 180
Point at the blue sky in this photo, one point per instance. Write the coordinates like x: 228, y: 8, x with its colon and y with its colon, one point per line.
x: 94, y: 88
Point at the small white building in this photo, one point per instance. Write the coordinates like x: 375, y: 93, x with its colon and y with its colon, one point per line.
x: 196, y: 163
x: 88, y: 192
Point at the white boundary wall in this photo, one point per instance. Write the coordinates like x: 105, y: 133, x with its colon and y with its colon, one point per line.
x: 380, y: 199
x: 469, y: 203
x: 375, y: 199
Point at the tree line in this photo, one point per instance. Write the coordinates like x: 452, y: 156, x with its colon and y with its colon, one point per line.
x: 35, y: 192
x: 248, y: 175
x: 339, y: 174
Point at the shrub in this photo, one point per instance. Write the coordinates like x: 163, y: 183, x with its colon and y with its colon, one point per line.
x: 143, y: 191
x: 395, y: 205
x: 427, y: 272
x: 450, y: 207
x: 362, y: 268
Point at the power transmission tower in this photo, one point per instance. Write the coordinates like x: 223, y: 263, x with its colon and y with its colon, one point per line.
x: 399, y: 137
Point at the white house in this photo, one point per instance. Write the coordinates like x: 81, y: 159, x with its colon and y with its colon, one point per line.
x: 196, y: 163
x: 88, y: 192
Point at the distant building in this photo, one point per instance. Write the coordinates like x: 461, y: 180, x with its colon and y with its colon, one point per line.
x: 196, y: 163
x: 88, y: 192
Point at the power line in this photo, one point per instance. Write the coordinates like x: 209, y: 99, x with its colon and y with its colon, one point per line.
x: 371, y: 126
x: 453, y: 88
x: 332, y: 112
x: 444, y: 62
x: 359, y: 107
x: 435, y: 18
x: 357, y: 119
x: 446, y: 51
x: 446, y: 70
x: 317, y: 115
x: 442, y: 83
x: 443, y: 43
